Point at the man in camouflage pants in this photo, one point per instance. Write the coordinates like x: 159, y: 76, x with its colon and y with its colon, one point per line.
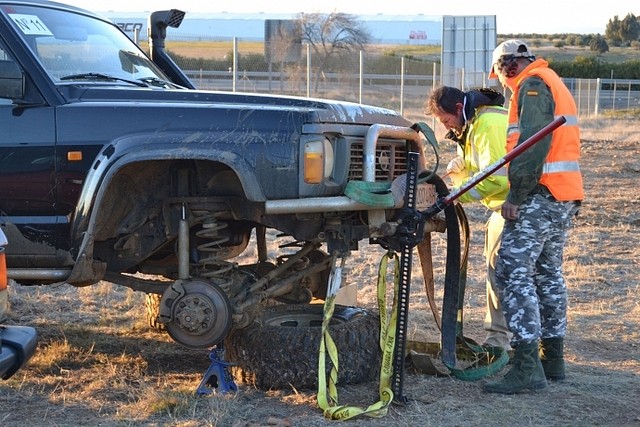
x: 544, y: 196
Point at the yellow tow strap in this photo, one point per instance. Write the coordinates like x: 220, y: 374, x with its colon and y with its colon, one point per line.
x: 327, y: 388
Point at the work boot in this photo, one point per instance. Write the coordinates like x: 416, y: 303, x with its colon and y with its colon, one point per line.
x: 551, y: 353
x: 526, y: 372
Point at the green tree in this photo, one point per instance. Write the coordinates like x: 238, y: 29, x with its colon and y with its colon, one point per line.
x: 587, y: 38
x: 330, y: 36
x: 612, y: 31
x: 629, y: 28
x: 572, y: 39
x: 599, y: 44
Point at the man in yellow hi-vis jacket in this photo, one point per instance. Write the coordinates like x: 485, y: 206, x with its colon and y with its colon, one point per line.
x: 477, y: 122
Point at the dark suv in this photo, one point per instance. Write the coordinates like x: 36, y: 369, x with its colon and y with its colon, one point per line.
x: 114, y: 167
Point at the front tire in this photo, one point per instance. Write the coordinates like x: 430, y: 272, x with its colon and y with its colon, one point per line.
x: 280, y: 348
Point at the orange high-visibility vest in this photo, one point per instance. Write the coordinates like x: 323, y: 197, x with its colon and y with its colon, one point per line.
x: 561, y: 171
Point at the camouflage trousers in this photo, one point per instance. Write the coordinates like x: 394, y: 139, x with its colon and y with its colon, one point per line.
x: 529, y: 273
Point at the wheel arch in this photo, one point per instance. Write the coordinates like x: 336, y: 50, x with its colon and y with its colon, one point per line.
x: 132, y: 164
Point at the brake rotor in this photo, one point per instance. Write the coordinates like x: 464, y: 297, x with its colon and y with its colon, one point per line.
x: 201, y: 316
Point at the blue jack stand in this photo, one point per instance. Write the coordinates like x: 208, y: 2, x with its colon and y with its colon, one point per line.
x: 217, y: 379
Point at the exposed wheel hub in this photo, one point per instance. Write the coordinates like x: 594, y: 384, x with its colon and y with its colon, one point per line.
x: 195, y: 314
x: 200, y: 313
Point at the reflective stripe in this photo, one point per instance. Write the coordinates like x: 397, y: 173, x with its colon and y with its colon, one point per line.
x: 475, y: 194
x: 556, y: 167
x: 512, y: 129
x: 571, y: 120
x: 497, y: 110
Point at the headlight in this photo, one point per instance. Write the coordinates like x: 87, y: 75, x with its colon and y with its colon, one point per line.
x: 318, y: 161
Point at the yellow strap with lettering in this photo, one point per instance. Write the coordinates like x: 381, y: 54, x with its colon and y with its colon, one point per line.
x: 327, y: 390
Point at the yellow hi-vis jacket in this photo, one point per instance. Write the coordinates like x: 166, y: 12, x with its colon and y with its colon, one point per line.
x: 484, y: 144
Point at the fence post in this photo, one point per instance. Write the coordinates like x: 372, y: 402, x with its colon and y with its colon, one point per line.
x: 589, y: 97
x: 308, y: 70
x: 234, y: 67
x: 613, y: 98
x: 433, y: 86
x: 401, y: 85
x: 361, y: 77
x: 433, y: 80
x: 579, y: 97
x: 597, y: 101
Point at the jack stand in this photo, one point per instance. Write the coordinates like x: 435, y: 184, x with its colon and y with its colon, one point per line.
x: 217, y: 378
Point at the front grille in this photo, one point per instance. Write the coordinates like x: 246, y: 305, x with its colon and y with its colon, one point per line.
x: 391, y: 160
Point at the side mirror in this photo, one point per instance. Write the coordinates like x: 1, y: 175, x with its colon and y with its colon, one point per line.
x: 11, y: 80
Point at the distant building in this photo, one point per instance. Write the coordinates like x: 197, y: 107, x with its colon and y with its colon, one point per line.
x: 384, y: 29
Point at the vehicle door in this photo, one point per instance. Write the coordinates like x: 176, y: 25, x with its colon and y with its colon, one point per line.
x: 27, y: 161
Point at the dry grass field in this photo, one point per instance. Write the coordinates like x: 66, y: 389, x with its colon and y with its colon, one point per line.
x: 98, y: 363
x: 543, y: 48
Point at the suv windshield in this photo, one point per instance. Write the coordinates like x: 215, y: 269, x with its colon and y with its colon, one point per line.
x: 72, y: 46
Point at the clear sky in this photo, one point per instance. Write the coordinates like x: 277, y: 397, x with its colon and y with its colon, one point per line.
x: 538, y: 16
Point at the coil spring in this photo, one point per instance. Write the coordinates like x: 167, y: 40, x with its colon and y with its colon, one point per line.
x: 211, y: 263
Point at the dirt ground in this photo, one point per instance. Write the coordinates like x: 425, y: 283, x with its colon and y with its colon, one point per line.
x: 98, y: 363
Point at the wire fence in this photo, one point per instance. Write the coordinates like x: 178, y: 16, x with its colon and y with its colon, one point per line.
x: 380, y: 79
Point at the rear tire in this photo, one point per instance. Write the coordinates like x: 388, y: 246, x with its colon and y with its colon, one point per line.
x: 152, y: 310
x: 279, y: 350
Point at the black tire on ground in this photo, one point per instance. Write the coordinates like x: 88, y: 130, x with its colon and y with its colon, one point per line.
x: 279, y: 350
x: 152, y: 309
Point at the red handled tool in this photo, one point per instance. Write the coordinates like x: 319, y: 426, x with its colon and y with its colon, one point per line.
x: 477, y: 178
